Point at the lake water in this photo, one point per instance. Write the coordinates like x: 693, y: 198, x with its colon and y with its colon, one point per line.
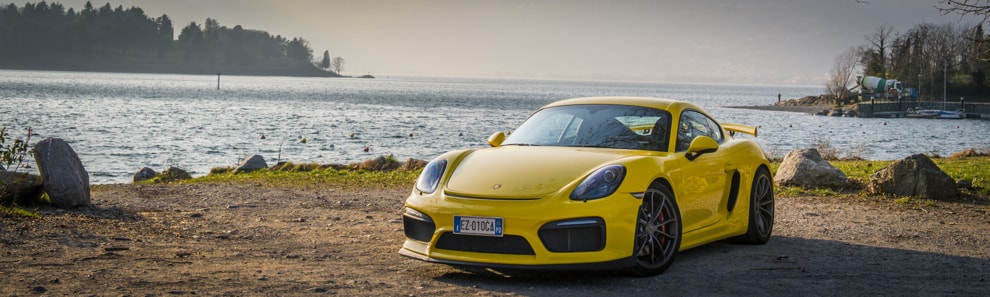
x: 118, y: 123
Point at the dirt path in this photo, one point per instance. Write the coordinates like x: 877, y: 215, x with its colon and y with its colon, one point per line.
x: 242, y: 239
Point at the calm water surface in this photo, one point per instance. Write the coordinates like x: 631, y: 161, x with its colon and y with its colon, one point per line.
x: 118, y: 123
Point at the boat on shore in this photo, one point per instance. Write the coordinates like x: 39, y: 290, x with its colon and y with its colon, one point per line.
x: 934, y: 114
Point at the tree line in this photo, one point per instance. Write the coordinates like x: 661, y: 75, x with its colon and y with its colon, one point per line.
x: 934, y: 59
x: 38, y: 32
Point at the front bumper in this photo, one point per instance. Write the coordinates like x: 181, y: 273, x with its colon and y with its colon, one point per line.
x: 550, y: 233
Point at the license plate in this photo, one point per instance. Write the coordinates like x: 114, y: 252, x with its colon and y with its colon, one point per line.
x: 478, y: 226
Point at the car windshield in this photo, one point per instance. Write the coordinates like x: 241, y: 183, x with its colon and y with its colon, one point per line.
x: 606, y: 126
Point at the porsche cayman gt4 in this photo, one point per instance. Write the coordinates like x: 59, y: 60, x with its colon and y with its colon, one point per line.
x: 601, y: 183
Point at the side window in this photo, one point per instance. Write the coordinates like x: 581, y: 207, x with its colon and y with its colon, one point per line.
x: 693, y: 124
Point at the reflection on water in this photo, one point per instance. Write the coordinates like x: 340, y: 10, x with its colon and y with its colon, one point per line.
x: 120, y: 122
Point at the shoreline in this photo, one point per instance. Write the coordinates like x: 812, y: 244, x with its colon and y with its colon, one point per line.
x: 809, y: 109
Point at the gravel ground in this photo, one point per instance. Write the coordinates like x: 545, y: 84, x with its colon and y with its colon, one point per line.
x: 248, y: 239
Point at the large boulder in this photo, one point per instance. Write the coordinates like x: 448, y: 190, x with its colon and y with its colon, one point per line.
x: 66, y: 180
x: 20, y: 187
x: 252, y: 163
x: 143, y: 174
x: 915, y: 176
x: 806, y: 168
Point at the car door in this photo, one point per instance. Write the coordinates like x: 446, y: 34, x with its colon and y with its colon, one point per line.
x: 699, y: 183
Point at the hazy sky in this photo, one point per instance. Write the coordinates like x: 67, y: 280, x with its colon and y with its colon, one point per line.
x: 731, y: 41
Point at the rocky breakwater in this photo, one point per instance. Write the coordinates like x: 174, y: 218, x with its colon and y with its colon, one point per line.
x: 824, y: 105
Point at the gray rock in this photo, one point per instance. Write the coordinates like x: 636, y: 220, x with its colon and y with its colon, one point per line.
x: 914, y: 176
x: 173, y: 173
x: 378, y: 164
x: 806, y: 168
x: 66, y: 180
x: 144, y: 173
x: 413, y: 164
x: 252, y: 163
x: 20, y: 187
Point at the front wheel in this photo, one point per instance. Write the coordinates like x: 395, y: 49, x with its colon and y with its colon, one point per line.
x: 658, y: 232
x: 760, y: 209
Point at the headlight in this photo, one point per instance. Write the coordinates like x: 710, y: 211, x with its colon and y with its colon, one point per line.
x: 601, y: 183
x: 429, y: 180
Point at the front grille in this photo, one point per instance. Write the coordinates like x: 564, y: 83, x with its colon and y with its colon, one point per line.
x: 508, y: 244
x: 574, y: 235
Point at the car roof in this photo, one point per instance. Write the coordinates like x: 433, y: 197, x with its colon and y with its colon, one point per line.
x: 670, y: 105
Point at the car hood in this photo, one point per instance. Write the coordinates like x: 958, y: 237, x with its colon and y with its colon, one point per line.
x: 524, y: 172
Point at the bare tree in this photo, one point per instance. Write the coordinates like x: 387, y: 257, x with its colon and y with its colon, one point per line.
x: 338, y: 64
x: 976, y: 8
x: 880, y: 41
x: 842, y: 72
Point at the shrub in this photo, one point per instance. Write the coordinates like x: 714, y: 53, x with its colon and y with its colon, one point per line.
x: 11, y: 157
x: 825, y: 148
x: 970, y: 152
x: 12, y: 154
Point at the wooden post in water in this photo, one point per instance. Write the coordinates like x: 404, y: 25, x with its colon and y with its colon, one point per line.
x: 218, y: 80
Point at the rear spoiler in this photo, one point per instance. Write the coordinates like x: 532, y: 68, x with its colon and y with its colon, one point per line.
x: 738, y: 128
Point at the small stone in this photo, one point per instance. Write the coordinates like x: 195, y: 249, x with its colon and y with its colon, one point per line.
x: 252, y: 163
x: 143, y: 174
x: 39, y: 289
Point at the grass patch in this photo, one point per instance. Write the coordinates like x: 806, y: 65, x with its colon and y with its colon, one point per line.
x: 975, y: 169
x: 799, y: 191
x: 19, y: 212
x: 308, y: 176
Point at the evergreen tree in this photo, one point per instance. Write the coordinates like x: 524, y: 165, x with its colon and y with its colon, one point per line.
x: 40, y: 34
x: 165, y: 35
x: 325, y: 63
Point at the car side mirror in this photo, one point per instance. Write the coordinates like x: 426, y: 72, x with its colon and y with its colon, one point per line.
x: 701, y: 145
x: 496, y: 139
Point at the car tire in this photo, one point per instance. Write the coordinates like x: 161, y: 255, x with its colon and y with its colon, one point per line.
x: 761, y: 212
x: 658, y: 232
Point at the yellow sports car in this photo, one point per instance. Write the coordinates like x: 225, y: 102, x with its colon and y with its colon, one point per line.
x: 602, y: 183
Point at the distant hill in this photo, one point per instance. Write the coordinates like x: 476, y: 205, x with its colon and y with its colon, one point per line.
x: 46, y: 36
